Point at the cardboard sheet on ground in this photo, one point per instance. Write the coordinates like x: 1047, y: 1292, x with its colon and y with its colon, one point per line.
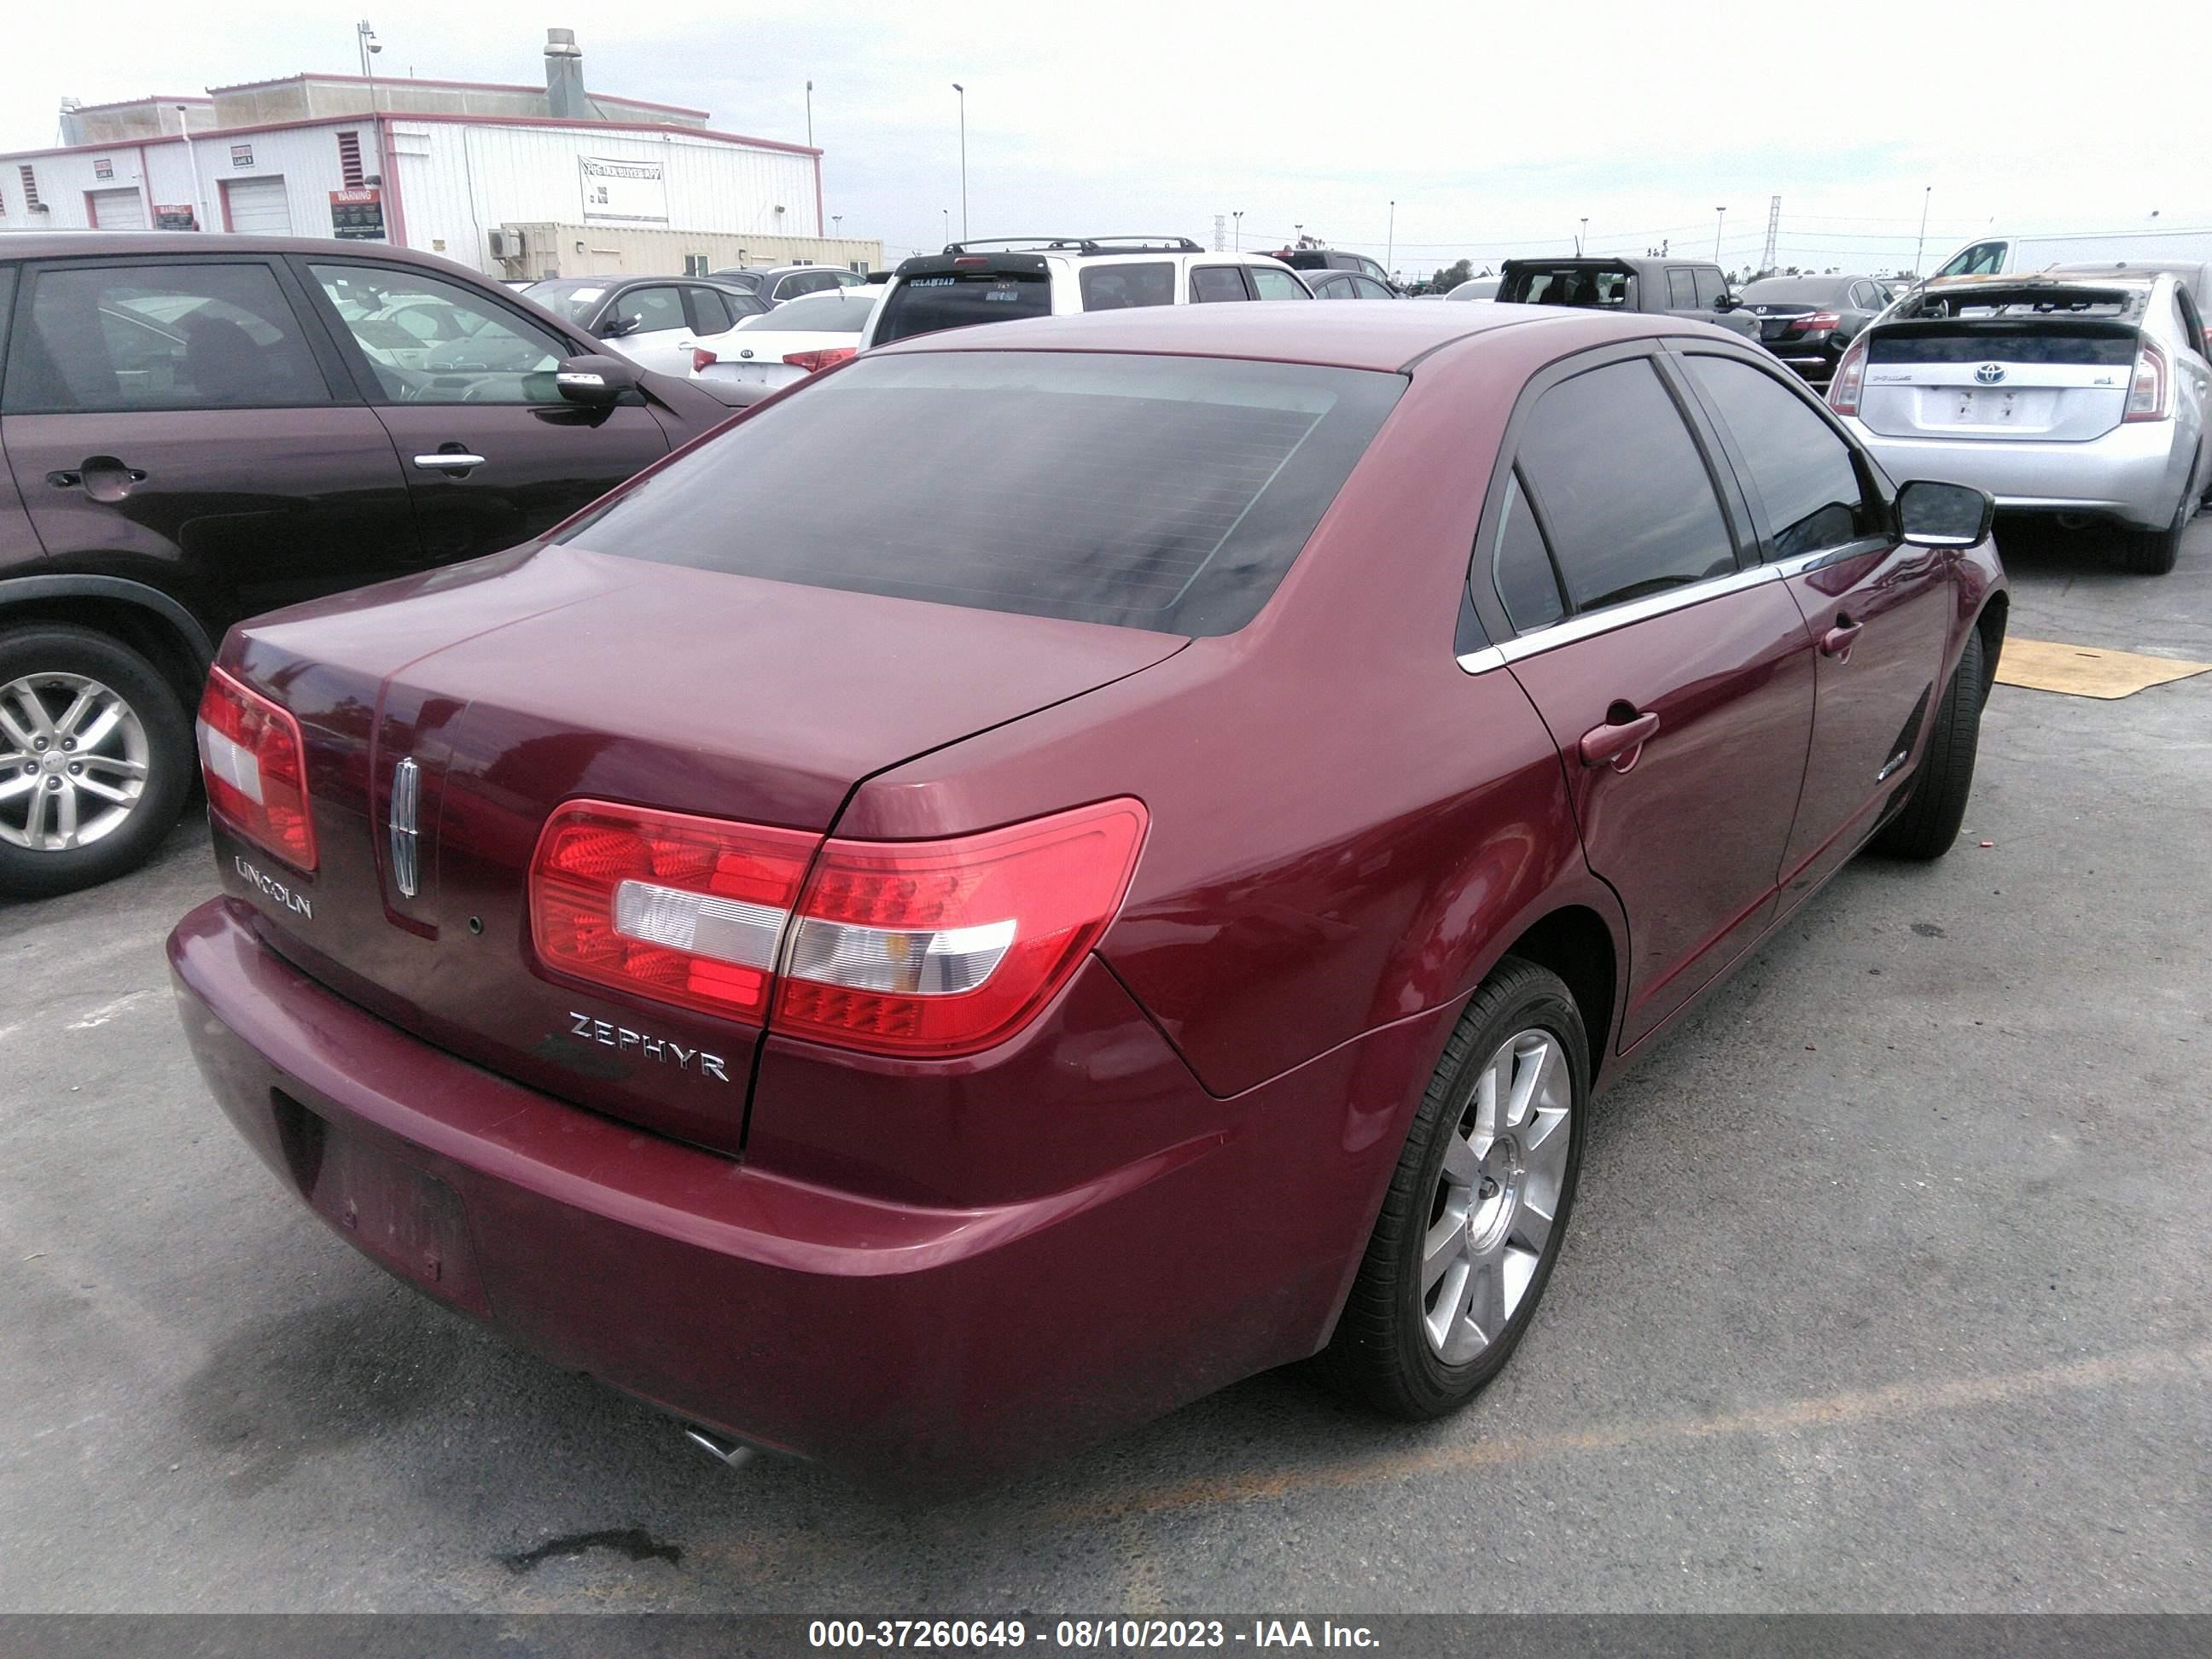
x: 2084, y: 670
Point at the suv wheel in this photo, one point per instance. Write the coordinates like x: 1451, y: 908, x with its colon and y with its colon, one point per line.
x: 1478, y: 1208
x: 96, y: 757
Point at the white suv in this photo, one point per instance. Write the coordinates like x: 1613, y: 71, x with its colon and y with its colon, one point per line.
x: 996, y: 281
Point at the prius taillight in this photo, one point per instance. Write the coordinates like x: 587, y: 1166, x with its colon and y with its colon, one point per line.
x: 1850, y: 376
x: 256, y: 768
x: 2148, y: 387
x: 926, y: 948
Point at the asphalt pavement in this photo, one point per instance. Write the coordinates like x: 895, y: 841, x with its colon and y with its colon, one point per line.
x: 1887, y: 1289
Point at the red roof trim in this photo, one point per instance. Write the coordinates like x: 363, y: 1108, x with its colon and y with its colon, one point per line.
x: 463, y: 86
x: 217, y: 135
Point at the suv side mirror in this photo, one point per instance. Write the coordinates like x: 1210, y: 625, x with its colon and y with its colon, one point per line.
x: 594, y: 381
x: 1932, y: 514
x: 1727, y: 302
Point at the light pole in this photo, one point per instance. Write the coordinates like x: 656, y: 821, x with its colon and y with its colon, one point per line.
x: 836, y: 224
x: 1238, y: 215
x: 948, y: 224
x: 1720, y: 219
x: 810, y: 115
x: 1921, y: 247
x: 962, y: 91
x: 192, y: 154
x: 1581, y: 241
x: 365, y: 36
x: 1390, y: 247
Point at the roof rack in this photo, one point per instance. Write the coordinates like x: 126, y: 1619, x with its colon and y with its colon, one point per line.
x: 1081, y: 244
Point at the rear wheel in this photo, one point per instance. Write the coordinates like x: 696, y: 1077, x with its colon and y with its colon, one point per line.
x: 96, y: 758
x: 2154, y: 552
x: 1477, y: 1206
x: 1937, y: 806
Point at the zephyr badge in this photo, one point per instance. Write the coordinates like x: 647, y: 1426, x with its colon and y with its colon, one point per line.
x: 405, y: 845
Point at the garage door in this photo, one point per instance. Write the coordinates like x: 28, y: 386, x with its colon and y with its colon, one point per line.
x: 257, y: 207
x: 118, y: 209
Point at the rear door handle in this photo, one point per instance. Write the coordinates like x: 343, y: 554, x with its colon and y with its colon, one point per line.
x: 1618, y: 744
x: 445, y: 463
x: 1836, y: 642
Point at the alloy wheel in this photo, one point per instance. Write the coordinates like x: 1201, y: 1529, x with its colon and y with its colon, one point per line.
x: 73, y: 762
x: 1496, y: 1196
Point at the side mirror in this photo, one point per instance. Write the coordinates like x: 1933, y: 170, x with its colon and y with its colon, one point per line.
x: 1727, y: 302
x: 594, y: 381
x: 613, y: 328
x: 1932, y: 514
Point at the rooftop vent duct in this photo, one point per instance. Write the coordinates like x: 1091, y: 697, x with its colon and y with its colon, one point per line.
x: 565, y: 99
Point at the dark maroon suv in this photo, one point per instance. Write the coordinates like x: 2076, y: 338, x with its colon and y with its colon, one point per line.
x: 922, y: 964
x: 195, y: 429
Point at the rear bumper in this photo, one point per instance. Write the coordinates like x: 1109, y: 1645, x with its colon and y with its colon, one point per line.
x: 1815, y: 360
x: 2133, y: 474
x: 908, y: 1345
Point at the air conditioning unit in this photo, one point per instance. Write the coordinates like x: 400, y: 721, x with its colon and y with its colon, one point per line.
x: 508, y: 243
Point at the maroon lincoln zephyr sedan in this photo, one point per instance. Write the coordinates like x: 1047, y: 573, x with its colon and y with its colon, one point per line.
x: 918, y: 965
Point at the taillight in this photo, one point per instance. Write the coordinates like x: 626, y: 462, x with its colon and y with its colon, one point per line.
x: 971, y: 262
x: 1818, y: 322
x: 811, y: 361
x: 681, y: 909
x: 1850, y: 375
x: 945, y: 947
x: 700, y: 358
x: 2147, y: 389
x: 256, y: 768
x: 930, y: 948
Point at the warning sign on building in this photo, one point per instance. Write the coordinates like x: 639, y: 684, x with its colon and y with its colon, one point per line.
x: 357, y: 216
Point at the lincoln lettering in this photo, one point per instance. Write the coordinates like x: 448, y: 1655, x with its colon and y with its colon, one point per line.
x: 275, y: 889
x: 663, y: 1051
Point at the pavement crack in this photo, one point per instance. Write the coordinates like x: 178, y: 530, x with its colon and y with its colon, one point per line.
x: 635, y: 1542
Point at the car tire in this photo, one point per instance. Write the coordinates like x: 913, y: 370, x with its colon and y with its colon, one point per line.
x: 121, y: 792
x: 1937, y: 806
x: 1479, y: 1205
x: 2154, y: 552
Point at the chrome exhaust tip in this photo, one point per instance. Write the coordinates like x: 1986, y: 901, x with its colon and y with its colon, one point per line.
x: 731, y: 1454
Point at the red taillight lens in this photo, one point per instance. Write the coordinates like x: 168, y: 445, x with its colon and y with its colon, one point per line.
x: 928, y: 948
x: 256, y: 768
x: 811, y: 361
x: 971, y: 262
x: 682, y: 910
x: 702, y: 358
x: 1818, y: 323
x: 1850, y: 376
x: 945, y: 947
x: 2148, y: 389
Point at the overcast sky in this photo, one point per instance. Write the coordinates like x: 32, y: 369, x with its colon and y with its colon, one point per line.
x: 1494, y: 134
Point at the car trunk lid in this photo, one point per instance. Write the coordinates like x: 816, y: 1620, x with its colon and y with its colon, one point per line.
x: 617, y: 680
x: 2053, y: 379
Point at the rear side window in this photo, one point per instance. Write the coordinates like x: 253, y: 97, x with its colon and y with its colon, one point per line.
x: 942, y: 299
x: 1522, y: 568
x: 1122, y: 288
x: 1803, y: 470
x: 191, y: 335
x: 1217, y: 283
x: 1154, y: 492
x: 1622, y: 487
x: 709, y: 315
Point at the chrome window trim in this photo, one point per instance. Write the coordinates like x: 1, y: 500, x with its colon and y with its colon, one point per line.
x: 1822, y: 557
x: 1592, y: 623
x: 1482, y: 661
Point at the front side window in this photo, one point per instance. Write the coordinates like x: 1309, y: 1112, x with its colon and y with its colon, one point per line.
x: 1681, y: 291
x: 1278, y: 284
x: 1982, y: 259
x: 183, y: 335
x: 1803, y: 470
x: 1623, y: 490
x: 1210, y: 282
x: 644, y: 311
x: 1366, y: 288
x: 1710, y: 285
x: 1155, y: 492
x: 1123, y: 287
x: 430, y: 341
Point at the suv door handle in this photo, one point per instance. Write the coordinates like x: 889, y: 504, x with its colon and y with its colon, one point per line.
x: 1836, y: 642
x: 1618, y: 744
x: 442, y: 462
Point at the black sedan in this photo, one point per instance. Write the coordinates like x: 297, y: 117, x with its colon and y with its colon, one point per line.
x: 1807, y: 321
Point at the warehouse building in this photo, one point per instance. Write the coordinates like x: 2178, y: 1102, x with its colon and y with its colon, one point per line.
x: 513, y: 180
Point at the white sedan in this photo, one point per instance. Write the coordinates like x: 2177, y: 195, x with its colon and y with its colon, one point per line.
x: 766, y: 354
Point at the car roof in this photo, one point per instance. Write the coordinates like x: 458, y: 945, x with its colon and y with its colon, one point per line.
x: 1609, y: 262
x: 1384, y: 335
x: 170, y: 243
x: 2139, y: 280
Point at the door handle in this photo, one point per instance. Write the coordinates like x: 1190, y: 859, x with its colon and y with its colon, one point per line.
x: 1836, y: 642
x: 442, y: 462
x: 1619, y: 743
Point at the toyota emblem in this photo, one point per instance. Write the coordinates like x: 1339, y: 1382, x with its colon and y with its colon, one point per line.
x: 1990, y: 374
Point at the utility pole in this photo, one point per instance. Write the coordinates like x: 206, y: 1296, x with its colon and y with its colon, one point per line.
x: 1773, y: 232
x: 962, y: 91
x: 1237, y: 217
x: 1720, y: 219
x: 1390, y: 247
x: 1921, y: 247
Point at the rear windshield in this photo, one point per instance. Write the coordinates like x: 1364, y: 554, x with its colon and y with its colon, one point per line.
x: 1567, y: 285
x: 844, y: 311
x: 1162, y: 493
x: 954, y: 298
x: 1795, y: 290
x: 2102, y: 346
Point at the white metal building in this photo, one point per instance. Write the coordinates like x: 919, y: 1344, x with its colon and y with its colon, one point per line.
x: 514, y: 181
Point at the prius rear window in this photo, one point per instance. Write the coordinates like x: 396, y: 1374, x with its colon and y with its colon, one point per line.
x: 1162, y: 493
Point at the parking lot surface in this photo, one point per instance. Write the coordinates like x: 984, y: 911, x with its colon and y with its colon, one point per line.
x: 1886, y: 1291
